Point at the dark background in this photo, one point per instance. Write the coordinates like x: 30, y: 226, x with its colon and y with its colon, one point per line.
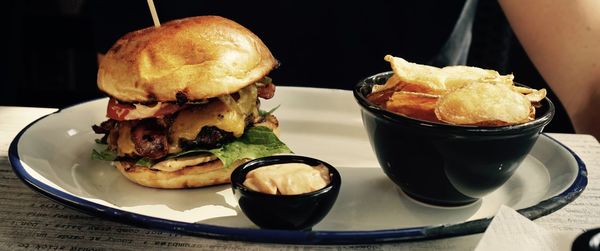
x: 51, y: 46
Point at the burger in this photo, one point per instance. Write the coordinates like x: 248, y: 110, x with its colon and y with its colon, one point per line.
x: 184, y: 106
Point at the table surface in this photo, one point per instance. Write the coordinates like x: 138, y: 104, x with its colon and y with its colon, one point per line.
x: 30, y: 221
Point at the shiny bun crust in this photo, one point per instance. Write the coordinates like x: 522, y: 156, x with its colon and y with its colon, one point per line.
x: 206, y: 174
x: 200, y: 57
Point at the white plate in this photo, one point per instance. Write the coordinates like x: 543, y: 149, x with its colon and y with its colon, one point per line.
x: 52, y: 155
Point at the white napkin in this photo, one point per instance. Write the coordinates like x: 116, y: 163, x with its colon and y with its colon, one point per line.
x: 510, y: 230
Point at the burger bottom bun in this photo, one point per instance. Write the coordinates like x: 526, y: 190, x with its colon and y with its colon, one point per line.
x: 205, y: 174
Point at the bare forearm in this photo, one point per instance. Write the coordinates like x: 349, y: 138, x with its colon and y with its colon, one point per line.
x: 562, y: 38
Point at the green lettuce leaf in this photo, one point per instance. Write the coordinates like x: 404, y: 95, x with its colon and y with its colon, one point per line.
x: 147, y: 162
x: 264, y: 81
x: 265, y: 113
x: 105, y: 154
x: 257, y: 142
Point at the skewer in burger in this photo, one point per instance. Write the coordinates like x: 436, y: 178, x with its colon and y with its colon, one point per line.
x: 184, y: 108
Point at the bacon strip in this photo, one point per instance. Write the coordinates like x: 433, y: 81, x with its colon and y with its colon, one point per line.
x: 266, y: 91
x: 150, y: 140
x: 104, y: 127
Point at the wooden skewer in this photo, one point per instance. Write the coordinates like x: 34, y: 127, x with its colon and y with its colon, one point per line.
x: 153, y: 13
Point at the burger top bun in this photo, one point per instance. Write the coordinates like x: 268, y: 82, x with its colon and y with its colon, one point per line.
x: 199, y: 57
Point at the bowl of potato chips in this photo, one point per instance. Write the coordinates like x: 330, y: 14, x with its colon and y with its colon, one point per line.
x: 449, y: 136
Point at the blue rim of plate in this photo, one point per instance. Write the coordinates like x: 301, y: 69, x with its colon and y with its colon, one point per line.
x: 543, y: 208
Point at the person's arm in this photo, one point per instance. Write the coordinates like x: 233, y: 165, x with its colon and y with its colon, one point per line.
x: 562, y: 39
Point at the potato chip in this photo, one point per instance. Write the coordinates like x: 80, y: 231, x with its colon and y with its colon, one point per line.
x: 537, y: 95
x: 484, y: 104
x: 436, y: 80
x: 392, y: 82
x: 381, y: 96
x: 414, y: 105
x: 532, y: 94
x: 381, y: 93
x: 456, y: 95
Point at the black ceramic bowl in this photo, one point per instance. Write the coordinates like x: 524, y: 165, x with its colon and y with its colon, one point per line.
x: 445, y: 164
x: 296, y: 212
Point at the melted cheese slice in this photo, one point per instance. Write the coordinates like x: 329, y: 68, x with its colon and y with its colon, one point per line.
x: 225, y: 114
x: 124, y: 142
x: 189, y: 122
x: 287, y: 179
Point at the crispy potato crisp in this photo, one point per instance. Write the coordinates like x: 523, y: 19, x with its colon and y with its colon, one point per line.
x: 484, y: 105
x: 442, y: 80
x: 414, y: 105
x: 460, y: 95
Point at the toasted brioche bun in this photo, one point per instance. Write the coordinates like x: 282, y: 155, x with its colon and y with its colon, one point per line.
x: 206, y: 174
x: 200, y: 57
